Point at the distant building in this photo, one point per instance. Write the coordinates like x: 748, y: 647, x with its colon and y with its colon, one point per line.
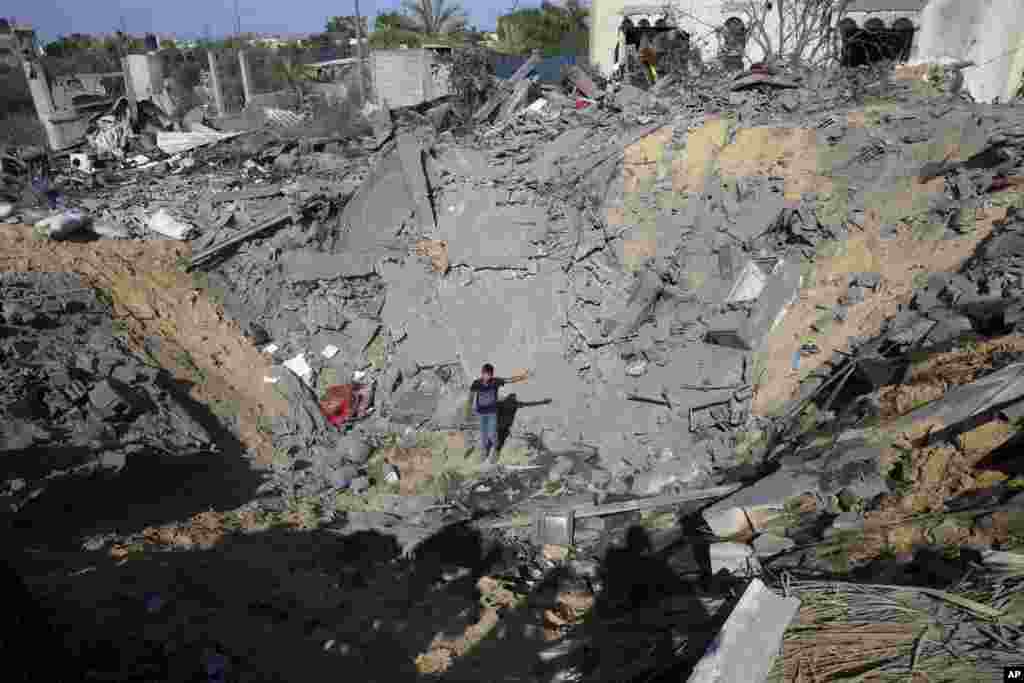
x: 13, y: 39
x: 709, y: 22
x: 276, y: 42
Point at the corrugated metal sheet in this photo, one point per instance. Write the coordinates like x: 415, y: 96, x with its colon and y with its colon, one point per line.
x: 176, y: 143
x: 283, y: 117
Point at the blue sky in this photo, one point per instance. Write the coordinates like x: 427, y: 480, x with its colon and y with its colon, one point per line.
x: 187, y: 18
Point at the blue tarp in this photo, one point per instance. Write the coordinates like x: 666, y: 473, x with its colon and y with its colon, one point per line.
x: 549, y: 70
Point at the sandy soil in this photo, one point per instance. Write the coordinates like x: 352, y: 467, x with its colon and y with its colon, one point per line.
x: 899, y: 260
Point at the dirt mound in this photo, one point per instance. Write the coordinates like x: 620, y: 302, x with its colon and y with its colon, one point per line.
x: 155, y: 299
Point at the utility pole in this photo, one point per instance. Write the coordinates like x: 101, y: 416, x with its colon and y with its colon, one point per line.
x: 359, y: 54
x: 238, y: 21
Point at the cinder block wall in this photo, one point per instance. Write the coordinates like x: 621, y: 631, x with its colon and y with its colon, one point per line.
x: 398, y: 76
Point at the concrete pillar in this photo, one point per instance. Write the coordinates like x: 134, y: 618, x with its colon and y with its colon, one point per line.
x: 218, y: 96
x: 129, y: 89
x: 243, y: 64
x: 42, y: 98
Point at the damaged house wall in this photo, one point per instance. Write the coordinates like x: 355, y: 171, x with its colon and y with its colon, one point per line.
x: 700, y: 18
x: 989, y: 33
x: 405, y: 78
x: 59, y: 104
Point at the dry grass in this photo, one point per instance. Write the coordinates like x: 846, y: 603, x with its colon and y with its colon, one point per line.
x: 876, y: 633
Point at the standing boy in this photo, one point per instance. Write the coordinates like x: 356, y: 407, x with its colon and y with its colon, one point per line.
x: 483, y: 396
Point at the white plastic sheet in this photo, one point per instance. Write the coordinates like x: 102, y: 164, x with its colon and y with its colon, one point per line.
x: 300, y: 367
x: 169, y: 226
x: 62, y: 225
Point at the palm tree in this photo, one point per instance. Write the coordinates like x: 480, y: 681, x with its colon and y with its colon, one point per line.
x: 434, y: 17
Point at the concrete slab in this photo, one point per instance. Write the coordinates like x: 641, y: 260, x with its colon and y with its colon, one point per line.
x: 547, y: 167
x: 758, y: 216
x: 749, y: 332
x: 482, y: 234
x: 465, y: 161
x: 970, y: 405
x: 736, y: 558
x: 415, y: 406
x: 372, y: 218
x: 693, y: 365
x: 506, y: 322
x: 411, y: 310
x: 410, y: 153
x: 307, y: 265
x: 645, y: 289
x: 743, y: 650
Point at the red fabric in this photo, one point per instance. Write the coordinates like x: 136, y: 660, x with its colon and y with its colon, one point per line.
x: 337, y: 404
x: 341, y: 413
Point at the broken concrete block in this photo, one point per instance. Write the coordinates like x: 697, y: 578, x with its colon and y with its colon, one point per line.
x: 109, y: 399
x: 743, y: 650
x: 969, y: 406
x: 749, y: 285
x: 110, y: 231
x: 630, y: 96
x: 63, y: 225
x: 736, y: 558
x: 866, y: 280
x: 685, y: 469
x: 307, y: 265
x: 854, y: 295
x: 167, y: 225
x: 353, y: 449
x: 753, y: 508
x: 562, y: 466
x: 770, y: 545
x: 341, y: 477
x: 748, y: 333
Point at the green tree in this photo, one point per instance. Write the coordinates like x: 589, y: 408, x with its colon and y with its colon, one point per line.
x: 393, y: 38
x: 296, y: 76
x: 167, y: 44
x: 388, y: 21
x: 433, y: 17
x: 346, y: 25
x: 550, y: 28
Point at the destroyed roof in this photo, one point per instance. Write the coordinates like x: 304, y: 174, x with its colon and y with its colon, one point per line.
x: 887, y: 5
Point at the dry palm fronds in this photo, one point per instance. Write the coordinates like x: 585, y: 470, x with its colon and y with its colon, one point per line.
x: 848, y: 631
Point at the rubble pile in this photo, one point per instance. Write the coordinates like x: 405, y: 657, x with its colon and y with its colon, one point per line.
x: 78, y: 404
x: 639, y: 252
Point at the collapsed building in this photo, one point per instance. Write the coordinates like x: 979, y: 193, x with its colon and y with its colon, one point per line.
x: 647, y: 255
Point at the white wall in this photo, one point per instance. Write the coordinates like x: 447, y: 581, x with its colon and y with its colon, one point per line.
x: 987, y: 32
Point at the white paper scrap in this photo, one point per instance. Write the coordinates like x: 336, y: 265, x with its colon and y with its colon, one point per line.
x: 300, y: 367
